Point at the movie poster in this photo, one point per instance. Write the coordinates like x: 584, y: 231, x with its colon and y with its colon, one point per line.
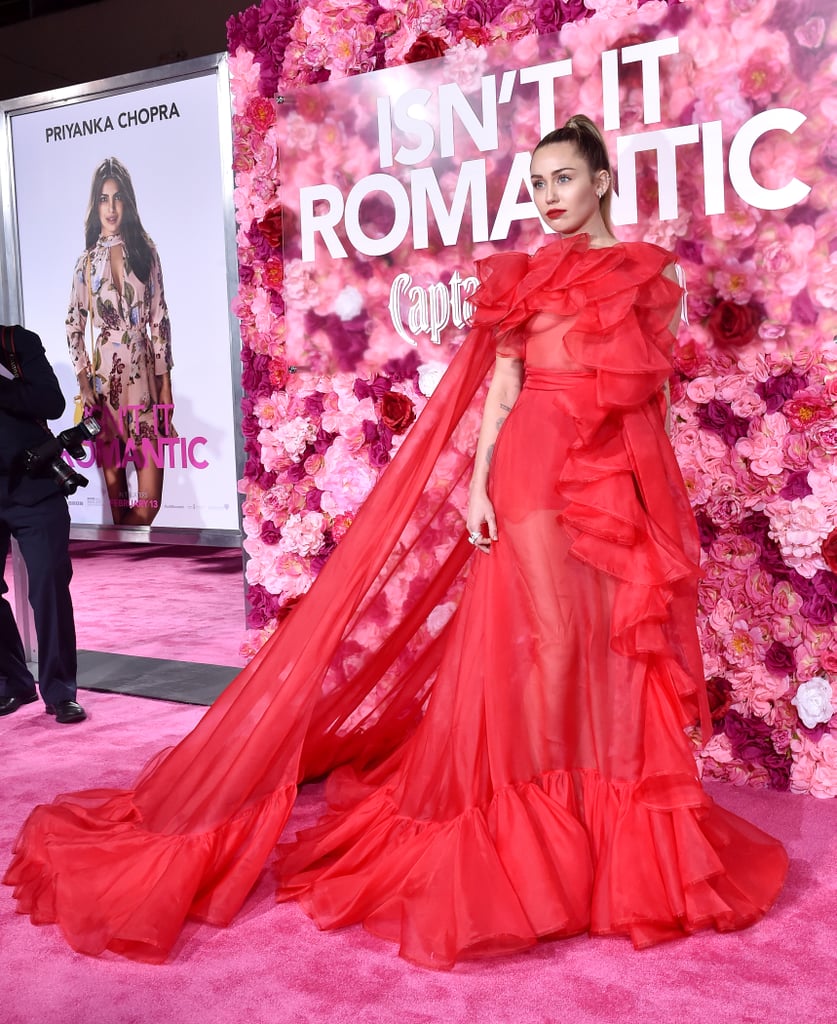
x: 120, y: 215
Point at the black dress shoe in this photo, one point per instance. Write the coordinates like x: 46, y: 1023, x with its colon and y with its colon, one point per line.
x: 67, y: 711
x: 8, y: 705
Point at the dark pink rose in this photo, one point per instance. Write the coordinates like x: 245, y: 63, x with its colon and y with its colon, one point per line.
x: 779, y: 659
x: 796, y: 486
x: 750, y: 738
x: 270, y: 532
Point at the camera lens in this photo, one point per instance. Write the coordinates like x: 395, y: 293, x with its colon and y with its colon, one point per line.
x: 66, y: 477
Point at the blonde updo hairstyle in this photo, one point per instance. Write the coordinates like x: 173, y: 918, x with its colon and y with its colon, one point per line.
x: 582, y: 133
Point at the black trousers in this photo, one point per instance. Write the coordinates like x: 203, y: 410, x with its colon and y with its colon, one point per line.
x: 43, y: 534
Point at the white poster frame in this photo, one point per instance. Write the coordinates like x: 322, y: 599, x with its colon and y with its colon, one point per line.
x: 11, y: 282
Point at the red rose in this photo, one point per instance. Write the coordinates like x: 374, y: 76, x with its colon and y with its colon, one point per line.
x: 271, y: 226
x: 719, y: 694
x: 397, y: 411
x: 426, y: 47
x: 829, y: 550
x: 731, y: 325
x: 274, y: 274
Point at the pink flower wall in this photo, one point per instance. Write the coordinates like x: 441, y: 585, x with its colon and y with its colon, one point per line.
x: 755, y: 427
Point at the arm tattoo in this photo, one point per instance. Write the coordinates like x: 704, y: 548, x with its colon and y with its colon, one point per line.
x: 488, y: 454
x: 505, y: 408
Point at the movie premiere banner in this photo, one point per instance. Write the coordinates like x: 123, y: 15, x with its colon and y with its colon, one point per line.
x: 168, y: 136
x: 395, y: 181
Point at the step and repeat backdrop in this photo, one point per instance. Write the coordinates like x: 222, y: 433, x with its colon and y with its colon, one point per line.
x: 398, y: 154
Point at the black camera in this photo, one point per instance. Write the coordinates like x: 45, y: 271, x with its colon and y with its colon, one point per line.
x: 47, y: 456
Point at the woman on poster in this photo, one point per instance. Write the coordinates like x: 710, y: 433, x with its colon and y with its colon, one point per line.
x: 499, y: 705
x: 124, y: 371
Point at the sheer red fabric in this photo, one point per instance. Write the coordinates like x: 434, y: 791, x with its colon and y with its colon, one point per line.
x: 510, y: 726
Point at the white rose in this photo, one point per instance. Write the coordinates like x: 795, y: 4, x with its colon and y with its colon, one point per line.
x: 348, y: 303
x: 429, y: 375
x: 813, y: 701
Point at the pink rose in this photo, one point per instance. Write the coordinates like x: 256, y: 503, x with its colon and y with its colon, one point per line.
x: 795, y: 447
x: 725, y: 511
x: 757, y: 691
x: 303, y: 533
x: 785, y: 599
x: 744, y: 645
x: 695, y: 481
x: 736, y: 281
x: 825, y: 435
x: 346, y: 479
x: 701, y: 389
x: 721, y: 616
x: 339, y: 526
x: 786, y: 629
x: 758, y: 588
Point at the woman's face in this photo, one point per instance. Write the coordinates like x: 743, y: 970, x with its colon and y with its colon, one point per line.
x: 565, y: 190
x: 110, y: 208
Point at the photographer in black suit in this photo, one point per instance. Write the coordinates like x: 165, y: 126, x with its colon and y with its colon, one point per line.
x: 34, y: 511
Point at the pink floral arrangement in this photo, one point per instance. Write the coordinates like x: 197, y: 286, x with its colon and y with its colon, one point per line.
x: 754, y: 422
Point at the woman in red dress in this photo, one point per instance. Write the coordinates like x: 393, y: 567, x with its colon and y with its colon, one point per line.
x: 516, y: 770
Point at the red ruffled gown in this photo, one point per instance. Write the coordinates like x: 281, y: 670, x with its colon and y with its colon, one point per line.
x: 514, y: 771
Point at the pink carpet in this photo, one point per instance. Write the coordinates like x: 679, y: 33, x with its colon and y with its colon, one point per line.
x: 183, y: 603
x: 273, y: 966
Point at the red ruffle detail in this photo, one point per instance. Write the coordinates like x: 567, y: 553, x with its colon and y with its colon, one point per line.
x: 89, y: 863
x: 623, y: 336
x: 652, y: 859
x: 554, y: 857
x: 551, y: 858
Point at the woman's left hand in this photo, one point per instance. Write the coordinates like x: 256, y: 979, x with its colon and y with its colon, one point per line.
x: 480, y: 518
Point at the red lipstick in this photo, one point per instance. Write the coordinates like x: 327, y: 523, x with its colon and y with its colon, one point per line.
x: 555, y: 214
